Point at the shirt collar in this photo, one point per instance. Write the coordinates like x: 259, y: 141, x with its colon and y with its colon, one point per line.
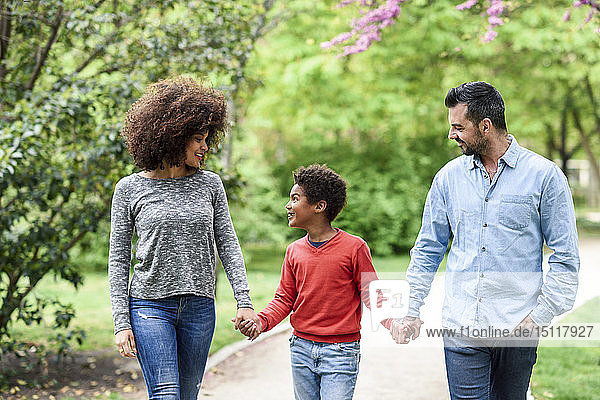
x: 512, y: 153
x: 471, y: 161
x: 509, y: 157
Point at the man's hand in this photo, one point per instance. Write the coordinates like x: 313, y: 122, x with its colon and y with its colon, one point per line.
x: 126, y: 343
x: 406, y: 329
x: 527, y: 328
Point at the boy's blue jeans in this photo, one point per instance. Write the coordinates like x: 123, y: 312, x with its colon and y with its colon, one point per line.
x: 489, y: 373
x: 324, y: 371
x: 172, y: 336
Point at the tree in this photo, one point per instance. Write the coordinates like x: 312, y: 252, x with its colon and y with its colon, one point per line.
x: 381, y: 130
x: 557, y: 32
x: 379, y: 118
x: 377, y: 15
x: 67, y: 75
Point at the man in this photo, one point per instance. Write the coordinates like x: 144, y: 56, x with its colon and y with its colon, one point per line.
x: 500, y: 202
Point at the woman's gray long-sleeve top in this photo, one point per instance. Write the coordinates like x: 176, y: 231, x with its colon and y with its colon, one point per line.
x: 177, y: 222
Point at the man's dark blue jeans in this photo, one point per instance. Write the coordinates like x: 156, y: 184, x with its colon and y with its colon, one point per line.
x: 489, y: 373
x: 173, y: 336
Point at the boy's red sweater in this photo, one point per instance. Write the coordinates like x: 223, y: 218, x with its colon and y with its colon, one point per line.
x: 322, y: 286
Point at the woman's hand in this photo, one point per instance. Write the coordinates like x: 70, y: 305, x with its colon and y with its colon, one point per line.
x: 126, y: 343
x: 244, y: 314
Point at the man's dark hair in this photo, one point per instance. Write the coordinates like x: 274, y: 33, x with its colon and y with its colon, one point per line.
x: 322, y: 183
x: 482, y: 100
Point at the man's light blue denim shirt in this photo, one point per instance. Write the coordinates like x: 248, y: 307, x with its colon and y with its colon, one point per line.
x: 494, y: 272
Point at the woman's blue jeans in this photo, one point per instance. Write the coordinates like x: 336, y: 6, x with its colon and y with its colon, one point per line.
x: 324, y: 371
x: 173, y: 336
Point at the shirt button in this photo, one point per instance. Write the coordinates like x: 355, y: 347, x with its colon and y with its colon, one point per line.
x: 479, y: 299
x: 484, y: 224
x: 487, y: 199
x: 481, y: 275
x: 483, y: 248
x: 485, y: 176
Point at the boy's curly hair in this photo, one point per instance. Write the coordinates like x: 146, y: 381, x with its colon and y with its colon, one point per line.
x: 160, y: 124
x: 322, y: 183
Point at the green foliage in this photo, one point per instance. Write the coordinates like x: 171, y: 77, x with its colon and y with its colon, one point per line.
x: 379, y: 117
x: 386, y: 188
x: 259, y: 217
x: 68, y: 72
x: 56, y: 184
x: 378, y: 128
x: 548, y: 73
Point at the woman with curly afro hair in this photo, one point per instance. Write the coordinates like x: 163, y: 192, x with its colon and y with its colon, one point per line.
x: 166, y: 315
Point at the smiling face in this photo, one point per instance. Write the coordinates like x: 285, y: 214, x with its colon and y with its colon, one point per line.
x: 196, y: 150
x: 467, y: 135
x: 300, y: 212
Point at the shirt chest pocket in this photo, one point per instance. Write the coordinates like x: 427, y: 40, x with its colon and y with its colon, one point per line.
x: 465, y: 228
x: 515, y: 211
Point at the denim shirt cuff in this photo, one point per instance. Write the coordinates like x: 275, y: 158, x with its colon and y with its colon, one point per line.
x: 413, y: 310
x: 541, y: 316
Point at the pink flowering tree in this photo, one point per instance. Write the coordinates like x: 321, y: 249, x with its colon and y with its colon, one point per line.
x: 377, y: 15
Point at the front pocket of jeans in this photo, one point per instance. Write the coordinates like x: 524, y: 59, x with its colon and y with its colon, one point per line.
x: 515, y: 211
x: 353, y: 348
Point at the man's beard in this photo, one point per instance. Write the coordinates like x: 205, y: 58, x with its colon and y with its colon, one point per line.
x: 479, y: 146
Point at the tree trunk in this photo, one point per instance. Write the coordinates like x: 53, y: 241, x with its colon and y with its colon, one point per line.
x: 563, y: 135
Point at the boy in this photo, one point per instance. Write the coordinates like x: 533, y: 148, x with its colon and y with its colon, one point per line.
x: 321, y: 283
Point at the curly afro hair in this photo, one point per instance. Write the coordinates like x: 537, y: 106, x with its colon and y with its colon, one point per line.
x: 160, y: 124
x: 322, y: 183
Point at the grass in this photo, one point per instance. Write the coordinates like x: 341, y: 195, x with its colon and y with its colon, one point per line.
x: 92, y: 303
x: 569, y: 373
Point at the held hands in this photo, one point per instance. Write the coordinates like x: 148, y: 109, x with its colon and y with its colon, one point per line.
x: 126, y: 343
x: 251, y: 328
x: 247, y: 322
x: 404, y: 330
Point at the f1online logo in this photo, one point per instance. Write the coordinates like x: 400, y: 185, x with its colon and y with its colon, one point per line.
x: 388, y: 299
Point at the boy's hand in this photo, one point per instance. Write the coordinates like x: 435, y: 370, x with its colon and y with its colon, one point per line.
x: 250, y: 329
x: 399, y: 332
